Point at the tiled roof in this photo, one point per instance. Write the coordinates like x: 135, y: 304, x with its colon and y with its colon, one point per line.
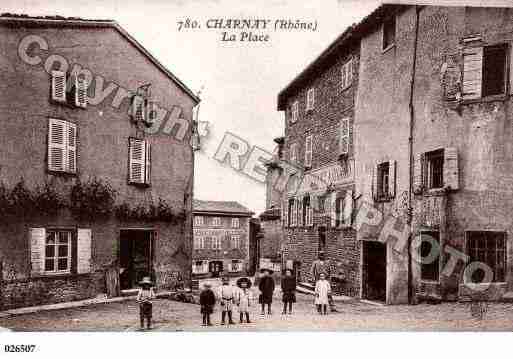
x: 56, y: 21
x: 220, y: 207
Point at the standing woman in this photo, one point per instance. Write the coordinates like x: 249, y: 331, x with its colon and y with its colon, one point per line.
x: 266, y: 287
x: 288, y: 287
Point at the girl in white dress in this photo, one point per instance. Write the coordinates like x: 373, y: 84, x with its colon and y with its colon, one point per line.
x: 322, y: 292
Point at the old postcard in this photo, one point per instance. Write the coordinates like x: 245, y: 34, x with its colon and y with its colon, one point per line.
x: 206, y: 166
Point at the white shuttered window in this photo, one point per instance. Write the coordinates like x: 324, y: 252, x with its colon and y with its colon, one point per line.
x: 59, y: 86
x: 62, y: 146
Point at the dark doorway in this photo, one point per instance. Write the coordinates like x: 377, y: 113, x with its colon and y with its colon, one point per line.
x: 374, y: 271
x: 135, y: 257
x: 215, y: 268
x: 297, y: 271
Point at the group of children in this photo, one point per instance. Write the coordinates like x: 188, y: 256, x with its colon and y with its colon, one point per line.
x: 229, y: 296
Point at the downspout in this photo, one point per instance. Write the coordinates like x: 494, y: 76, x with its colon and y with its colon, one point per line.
x: 410, y: 151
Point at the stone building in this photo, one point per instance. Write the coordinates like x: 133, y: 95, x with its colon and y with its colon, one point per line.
x: 440, y: 121
x: 221, y: 241
x: 96, y: 170
x: 318, y: 154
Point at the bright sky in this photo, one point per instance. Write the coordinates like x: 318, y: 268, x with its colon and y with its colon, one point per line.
x: 241, y: 80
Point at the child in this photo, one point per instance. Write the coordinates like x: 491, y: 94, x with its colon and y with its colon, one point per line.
x: 266, y: 287
x: 244, y: 298
x: 288, y: 287
x: 207, y: 302
x: 144, y: 298
x: 226, y: 299
x: 322, y: 293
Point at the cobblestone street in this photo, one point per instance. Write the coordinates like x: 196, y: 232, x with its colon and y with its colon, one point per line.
x: 174, y: 316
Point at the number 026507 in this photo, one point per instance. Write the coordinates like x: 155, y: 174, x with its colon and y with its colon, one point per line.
x: 19, y: 348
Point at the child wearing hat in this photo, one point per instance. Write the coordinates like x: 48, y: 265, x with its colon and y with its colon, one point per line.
x: 226, y: 298
x: 266, y: 287
x: 144, y: 298
x: 207, y: 302
x: 244, y: 298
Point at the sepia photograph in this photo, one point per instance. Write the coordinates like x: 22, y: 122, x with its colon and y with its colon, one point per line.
x: 226, y: 166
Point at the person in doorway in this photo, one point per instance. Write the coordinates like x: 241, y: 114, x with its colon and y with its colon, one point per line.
x: 288, y: 288
x: 323, y: 266
x: 207, y: 303
x: 226, y: 298
x: 145, y: 297
x: 244, y: 298
x: 322, y: 293
x: 266, y: 287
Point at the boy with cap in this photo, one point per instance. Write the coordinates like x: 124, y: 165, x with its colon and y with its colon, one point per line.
x: 144, y: 298
x: 207, y: 302
x: 226, y: 296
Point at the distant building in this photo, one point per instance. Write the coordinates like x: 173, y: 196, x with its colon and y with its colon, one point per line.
x: 73, y: 126
x: 221, y: 239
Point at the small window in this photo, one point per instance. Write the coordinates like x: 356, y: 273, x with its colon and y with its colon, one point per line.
x: 494, y: 70
x: 310, y: 99
x: 291, y: 212
x: 235, y: 241
x: 344, y: 136
x: 339, y: 211
x: 216, y: 221
x: 488, y: 248
x: 429, y: 271
x: 306, y: 212
x: 346, y: 74
x: 435, y: 169
x: 216, y: 243
x: 389, y: 33
x: 198, y: 220
x: 293, y: 153
x: 235, y: 223
x: 207, y: 243
x: 198, y: 243
x: 383, y: 180
x: 294, y: 112
x: 236, y: 265
x: 58, y: 251
x: 139, y: 162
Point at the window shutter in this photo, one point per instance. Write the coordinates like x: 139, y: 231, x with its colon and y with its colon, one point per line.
x: 392, y: 178
x: 348, y: 208
x: 71, y: 163
x: 308, y: 151
x: 418, y: 175
x: 285, y: 213
x: 83, y: 250
x: 147, y: 173
x: 137, y: 156
x: 451, y: 170
x: 37, y: 250
x: 300, y: 217
x: 344, y: 136
x: 138, y: 110
x: 59, y: 86
x: 451, y: 77
x: 80, y: 92
x: 333, y: 209
x: 472, y: 72
x: 56, y: 145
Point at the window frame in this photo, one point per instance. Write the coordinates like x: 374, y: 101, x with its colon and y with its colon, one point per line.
x: 435, y: 263
x: 235, y: 222
x: 429, y: 169
x: 235, y: 240
x: 71, y: 235
x: 392, y: 22
x: 308, y: 153
x: 216, y: 243
x: 216, y: 221
x: 345, y: 70
x: 293, y: 155
x: 504, y: 250
x: 382, y: 185
x: 198, y: 221
x: 505, y: 48
x: 294, y: 112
